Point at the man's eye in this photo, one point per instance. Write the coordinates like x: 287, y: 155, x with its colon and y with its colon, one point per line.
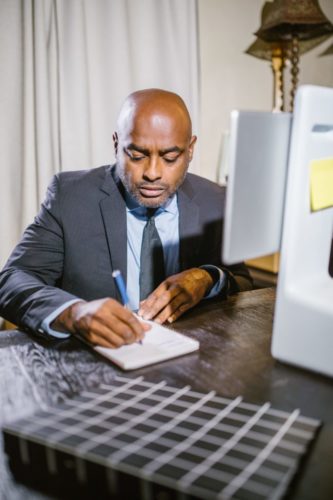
x: 171, y: 159
x: 133, y: 157
x: 136, y: 158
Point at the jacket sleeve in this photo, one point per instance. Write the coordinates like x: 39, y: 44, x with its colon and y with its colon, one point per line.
x: 28, y: 282
x: 239, y: 278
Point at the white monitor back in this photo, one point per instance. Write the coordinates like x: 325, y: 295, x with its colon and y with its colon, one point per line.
x: 262, y: 168
x: 303, y: 324
x: 258, y: 153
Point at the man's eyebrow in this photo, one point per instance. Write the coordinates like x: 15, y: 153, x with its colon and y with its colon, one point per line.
x: 134, y: 147
x: 174, y: 149
x: 146, y: 152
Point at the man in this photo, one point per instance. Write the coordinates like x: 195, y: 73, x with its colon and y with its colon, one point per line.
x: 58, y: 279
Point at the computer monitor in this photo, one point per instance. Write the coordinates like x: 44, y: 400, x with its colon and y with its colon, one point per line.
x: 268, y: 208
x: 258, y: 155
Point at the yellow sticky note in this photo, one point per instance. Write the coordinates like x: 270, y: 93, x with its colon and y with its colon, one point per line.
x: 321, y: 184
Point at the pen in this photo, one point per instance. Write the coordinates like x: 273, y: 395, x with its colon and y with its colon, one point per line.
x: 121, y: 286
x: 121, y: 289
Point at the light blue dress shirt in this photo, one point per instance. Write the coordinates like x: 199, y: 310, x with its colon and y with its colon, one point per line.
x: 167, y: 224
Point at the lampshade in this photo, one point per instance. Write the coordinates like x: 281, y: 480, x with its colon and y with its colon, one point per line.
x: 286, y: 19
x: 328, y: 51
x: 265, y: 50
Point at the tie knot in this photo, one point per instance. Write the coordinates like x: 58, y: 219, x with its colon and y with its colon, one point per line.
x: 151, y: 212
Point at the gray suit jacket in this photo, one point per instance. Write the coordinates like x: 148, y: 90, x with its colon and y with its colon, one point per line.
x: 80, y: 236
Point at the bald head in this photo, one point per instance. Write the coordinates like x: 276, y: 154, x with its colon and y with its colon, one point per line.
x: 153, y: 145
x: 154, y: 106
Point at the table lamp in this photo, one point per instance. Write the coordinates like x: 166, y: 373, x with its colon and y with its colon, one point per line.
x: 278, y: 53
x: 293, y: 21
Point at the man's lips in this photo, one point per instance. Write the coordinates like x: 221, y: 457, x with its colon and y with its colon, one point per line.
x: 151, y: 191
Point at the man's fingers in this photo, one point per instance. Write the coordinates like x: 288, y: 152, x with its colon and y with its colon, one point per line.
x: 158, y: 300
x: 99, y: 331
x: 175, y: 295
x: 124, y: 323
x: 175, y: 299
x: 174, y: 310
x: 150, y: 302
x: 104, y: 339
x: 108, y: 323
x: 176, y: 314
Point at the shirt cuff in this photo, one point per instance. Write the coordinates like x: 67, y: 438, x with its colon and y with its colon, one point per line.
x: 219, y: 284
x: 45, y: 326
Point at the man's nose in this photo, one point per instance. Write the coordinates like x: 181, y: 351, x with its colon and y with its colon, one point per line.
x: 153, y: 170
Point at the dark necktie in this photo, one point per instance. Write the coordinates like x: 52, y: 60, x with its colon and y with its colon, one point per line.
x: 151, y: 259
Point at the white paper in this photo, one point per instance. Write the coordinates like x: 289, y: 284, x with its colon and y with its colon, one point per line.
x: 160, y: 343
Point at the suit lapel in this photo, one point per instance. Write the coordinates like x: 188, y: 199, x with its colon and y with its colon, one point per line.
x: 113, y: 210
x: 188, y: 225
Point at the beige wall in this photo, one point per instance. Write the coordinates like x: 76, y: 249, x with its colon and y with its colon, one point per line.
x: 231, y: 79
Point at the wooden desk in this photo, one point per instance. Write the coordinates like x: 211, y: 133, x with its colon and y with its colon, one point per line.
x: 234, y: 359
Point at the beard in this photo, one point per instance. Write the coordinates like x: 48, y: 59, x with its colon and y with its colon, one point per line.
x: 166, y: 191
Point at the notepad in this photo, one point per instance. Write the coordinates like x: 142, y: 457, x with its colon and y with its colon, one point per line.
x: 160, y: 343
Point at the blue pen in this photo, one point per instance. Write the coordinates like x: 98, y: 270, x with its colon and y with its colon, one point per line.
x: 121, y: 289
x: 121, y: 286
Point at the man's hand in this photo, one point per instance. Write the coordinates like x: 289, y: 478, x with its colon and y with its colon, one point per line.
x: 175, y: 295
x: 104, y: 322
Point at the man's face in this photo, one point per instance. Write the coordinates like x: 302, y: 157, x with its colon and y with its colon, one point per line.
x: 153, y: 152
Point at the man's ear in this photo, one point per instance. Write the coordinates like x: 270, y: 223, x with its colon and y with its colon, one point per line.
x: 191, y: 146
x: 115, y: 142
